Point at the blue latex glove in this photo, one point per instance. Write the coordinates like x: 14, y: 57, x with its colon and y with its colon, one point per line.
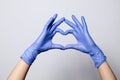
x: 85, y: 42
x: 44, y: 41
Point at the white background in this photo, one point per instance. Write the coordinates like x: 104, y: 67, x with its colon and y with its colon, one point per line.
x: 21, y: 21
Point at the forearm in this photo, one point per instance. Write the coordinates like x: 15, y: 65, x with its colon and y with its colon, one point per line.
x: 19, y: 72
x: 106, y: 72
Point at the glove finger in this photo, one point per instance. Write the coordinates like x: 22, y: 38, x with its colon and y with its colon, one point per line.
x: 71, y: 24
x: 58, y: 30
x: 76, y: 21
x: 71, y: 31
x: 55, y: 25
x: 84, y: 24
x: 50, y: 21
x: 88, y: 36
x: 57, y: 46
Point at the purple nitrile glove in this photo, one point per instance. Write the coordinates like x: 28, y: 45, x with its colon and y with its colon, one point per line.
x: 44, y: 41
x: 85, y: 42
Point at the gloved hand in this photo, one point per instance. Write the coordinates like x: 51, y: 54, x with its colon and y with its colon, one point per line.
x: 85, y: 42
x: 44, y: 41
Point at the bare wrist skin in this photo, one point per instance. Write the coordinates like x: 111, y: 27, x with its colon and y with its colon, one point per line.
x: 106, y: 72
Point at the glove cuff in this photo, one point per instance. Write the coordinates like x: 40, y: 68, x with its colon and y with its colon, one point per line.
x: 98, y: 57
x: 29, y: 55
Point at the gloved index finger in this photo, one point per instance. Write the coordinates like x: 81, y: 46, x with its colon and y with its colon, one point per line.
x: 55, y: 25
x: 78, y: 24
x: 70, y: 24
x: 76, y: 20
x: 50, y: 21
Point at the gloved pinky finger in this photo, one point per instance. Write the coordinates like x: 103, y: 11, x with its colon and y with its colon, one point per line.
x: 57, y: 46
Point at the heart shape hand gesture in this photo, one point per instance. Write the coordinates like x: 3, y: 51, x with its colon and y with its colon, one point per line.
x: 80, y: 32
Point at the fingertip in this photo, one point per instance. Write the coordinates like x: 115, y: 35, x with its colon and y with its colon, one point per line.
x: 84, y: 22
x: 73, y: 16
x: 67, y: 21
x: 55, y: 15
x: 82, y: 18
x: 59, y: 22
x: 63, y: 19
